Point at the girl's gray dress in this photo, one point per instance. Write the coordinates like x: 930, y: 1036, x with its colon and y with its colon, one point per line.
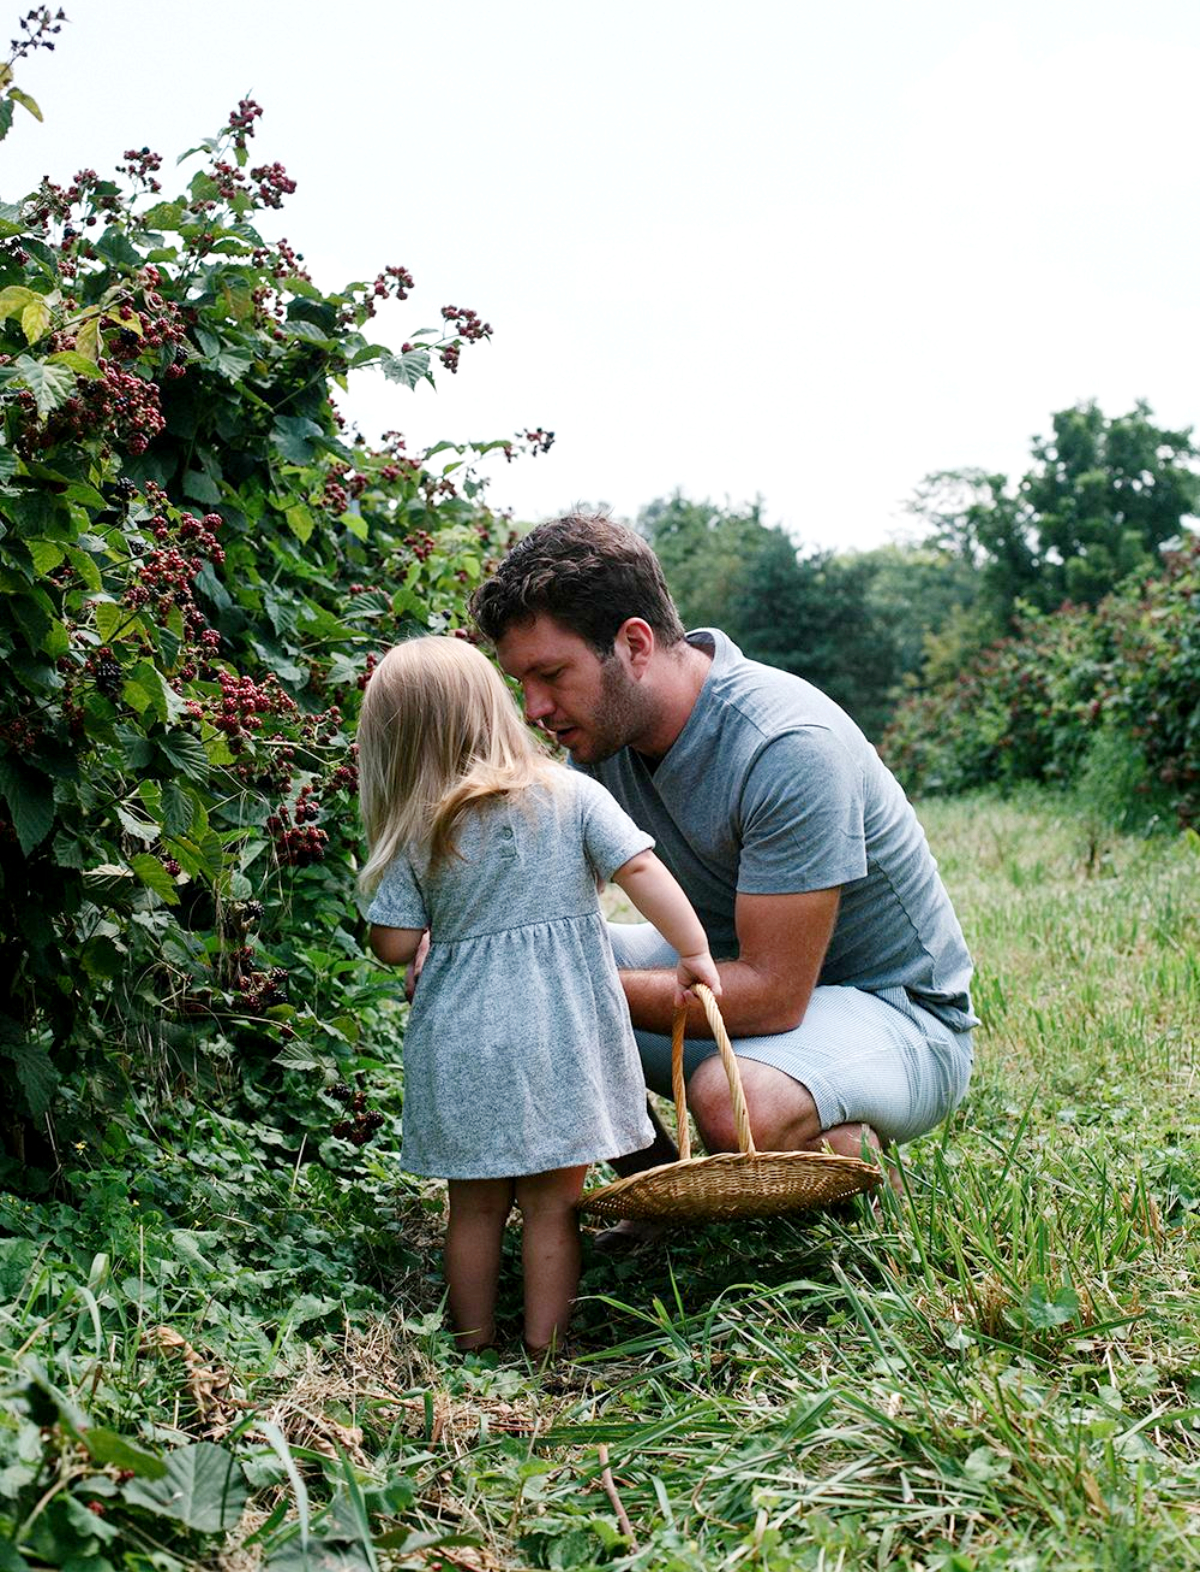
x: 519, y: 1056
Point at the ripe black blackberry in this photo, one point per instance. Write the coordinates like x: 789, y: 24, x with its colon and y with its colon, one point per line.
x: 108, y: 677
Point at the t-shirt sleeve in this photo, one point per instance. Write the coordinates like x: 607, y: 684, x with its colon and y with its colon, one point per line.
x: 610, y: 837
x: 802, y: 817
x: 398, y: 902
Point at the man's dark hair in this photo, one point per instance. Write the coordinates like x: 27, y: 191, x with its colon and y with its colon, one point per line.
x: 587, y: 572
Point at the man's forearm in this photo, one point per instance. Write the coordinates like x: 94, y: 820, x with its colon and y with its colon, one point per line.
x: 750, y: 1004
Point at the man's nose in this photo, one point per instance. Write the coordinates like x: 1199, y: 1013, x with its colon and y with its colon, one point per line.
x: 538, y: 703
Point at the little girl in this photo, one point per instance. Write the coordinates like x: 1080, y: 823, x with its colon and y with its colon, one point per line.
x: 520, y: 1066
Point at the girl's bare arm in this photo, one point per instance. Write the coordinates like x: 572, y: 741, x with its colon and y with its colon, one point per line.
x: 395, y: 946
x: 657, y: 895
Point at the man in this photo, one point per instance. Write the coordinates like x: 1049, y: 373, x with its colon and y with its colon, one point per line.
x: 845, y: 972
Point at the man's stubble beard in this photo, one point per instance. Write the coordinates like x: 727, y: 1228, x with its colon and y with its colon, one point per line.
x: 621, y: 715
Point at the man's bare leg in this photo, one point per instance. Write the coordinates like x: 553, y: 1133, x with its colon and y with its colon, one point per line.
x: 783, y: 1115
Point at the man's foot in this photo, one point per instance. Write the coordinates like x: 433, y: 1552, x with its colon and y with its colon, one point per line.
x: 630, y: 1234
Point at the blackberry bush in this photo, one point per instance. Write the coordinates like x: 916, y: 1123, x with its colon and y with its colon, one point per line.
x: 200, y: 563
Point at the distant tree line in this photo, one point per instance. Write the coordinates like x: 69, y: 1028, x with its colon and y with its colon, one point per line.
x: 1099, y: 501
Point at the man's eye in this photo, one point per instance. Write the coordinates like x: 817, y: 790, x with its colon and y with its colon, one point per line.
x: 552, y: 676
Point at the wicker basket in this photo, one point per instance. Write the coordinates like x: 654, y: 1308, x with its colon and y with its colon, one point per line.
x: 745, y: 1183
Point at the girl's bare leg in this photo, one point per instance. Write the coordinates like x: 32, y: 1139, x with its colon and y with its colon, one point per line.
x: 550, y: 1251
x: 479, y: 1209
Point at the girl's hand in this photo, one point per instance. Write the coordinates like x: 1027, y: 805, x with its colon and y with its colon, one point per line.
x: 414, y: 967
x: 698, y: 968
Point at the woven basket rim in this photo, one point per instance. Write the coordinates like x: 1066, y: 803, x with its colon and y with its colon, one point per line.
x: 866, y: 1172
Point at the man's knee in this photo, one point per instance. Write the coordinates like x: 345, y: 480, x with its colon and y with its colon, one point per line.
x: 783, y: 1116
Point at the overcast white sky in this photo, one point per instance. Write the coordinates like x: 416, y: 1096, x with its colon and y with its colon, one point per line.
x: 806, y: 251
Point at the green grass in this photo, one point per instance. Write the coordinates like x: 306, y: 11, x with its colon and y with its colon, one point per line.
x: 1000, y: 1370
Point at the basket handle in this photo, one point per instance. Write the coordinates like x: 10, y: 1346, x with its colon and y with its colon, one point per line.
x: 741, y: 1117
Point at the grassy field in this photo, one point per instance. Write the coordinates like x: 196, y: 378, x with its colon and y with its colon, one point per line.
x: 997, y: 1370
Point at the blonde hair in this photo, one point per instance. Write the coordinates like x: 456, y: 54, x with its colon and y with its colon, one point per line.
x: 438, y: 733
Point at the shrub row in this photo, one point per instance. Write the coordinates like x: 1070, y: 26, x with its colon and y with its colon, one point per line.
x: 1068, y: 690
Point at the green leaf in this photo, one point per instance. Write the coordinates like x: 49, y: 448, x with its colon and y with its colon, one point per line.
x: 164, y: 215
x: 68, y: 852
x: 35, y: 319
x: 16, y: 299
x: 187, y: 753
x: 30, y: 803
x: 114, y: 246
x: 202, y: 187
x: 409, y: 368
x: 411, y: 1541
x: 50, y: 385
x: 1042, y: 1313
x: 81, y: 365
x: 295, y: 436
x: 211, y: 851
x: 168, y: 706
x: 101, y: 958
x: 200, y: 488
x: 129, y: 324
x: 155, y: 877
x: 25, y: 102
x: 46, y: 554
x: 302, y: 286
x: 138, y: 698
x: 343, y: 670
x: 106, y: 1446
x: 16, y: 1258
x: 300, y: 522
x: 187, y: 856
x: 141, y: 829
x: 109, y: 617
x: 297, y: 327
x: 57, y: 640
x: 173, y: 705
x: 231, y: 363
x: 300, y: 1056
x: 218, y: 751
x: 137, y: 750
x: 88, y: 343
x: 36, y: 1075
x: 106, y: 879
x: 6, y: 115
x: 204, y: 1487
x: 404, y: 601
x: 178, y: 809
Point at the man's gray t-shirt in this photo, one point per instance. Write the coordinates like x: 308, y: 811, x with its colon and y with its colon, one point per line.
x: 771, y: 789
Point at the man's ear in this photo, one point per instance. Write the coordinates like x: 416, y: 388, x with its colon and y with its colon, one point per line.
x: 636, y: 639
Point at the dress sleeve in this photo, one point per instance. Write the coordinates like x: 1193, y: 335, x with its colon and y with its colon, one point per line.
x: 610, y: 837
x: 802, y: 817
x: 398, y: 902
